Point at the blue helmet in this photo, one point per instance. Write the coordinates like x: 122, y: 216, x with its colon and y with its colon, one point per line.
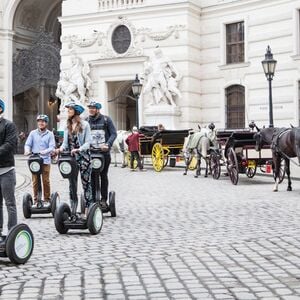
x: 43, y: 118
x: 95, y: 104
x: 79, y: 109
x: 2, y: 105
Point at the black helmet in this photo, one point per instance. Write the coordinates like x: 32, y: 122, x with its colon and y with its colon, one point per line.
x: 211, y: 126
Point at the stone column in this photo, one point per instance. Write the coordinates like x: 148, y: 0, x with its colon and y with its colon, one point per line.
x: 6, y: 40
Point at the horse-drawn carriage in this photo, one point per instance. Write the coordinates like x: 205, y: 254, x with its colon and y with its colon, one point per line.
x: 240, y: 155
x: 162, y: 146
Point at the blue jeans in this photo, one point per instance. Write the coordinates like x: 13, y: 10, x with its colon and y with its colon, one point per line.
x: 7, y: 191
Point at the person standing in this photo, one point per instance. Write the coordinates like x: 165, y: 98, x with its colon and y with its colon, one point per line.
x: 77, y: 139
x: 133, y: 146
x: 103, y: 136
x: 41, y: 141
x: 8, y: 144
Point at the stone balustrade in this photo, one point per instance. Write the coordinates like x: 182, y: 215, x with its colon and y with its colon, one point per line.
x: 116, y: 4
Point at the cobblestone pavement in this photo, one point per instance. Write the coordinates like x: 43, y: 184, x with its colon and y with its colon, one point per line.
x: 175, y: 237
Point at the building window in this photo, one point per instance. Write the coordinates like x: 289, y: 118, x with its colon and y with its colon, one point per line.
x: 235, y: 52
x: 235, y: 104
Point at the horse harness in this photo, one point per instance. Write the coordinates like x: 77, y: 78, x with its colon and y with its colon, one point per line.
x: 275, y: 142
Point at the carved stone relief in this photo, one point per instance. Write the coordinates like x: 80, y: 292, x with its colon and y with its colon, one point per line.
x: 106, y: 42
x: 161, y: 80
x: 83, y: 41
x: 159, y: 36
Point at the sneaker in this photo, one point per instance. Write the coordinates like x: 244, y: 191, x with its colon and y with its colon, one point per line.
x: 34, y: 205
x: 83, y: 217
x: 103, y: 204
x: 46, y: 203
x: 132, y: 170
x: 143, y: 170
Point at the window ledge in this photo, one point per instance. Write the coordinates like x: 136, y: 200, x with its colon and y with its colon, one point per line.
x: 295, y: 57
x: 234, y: 66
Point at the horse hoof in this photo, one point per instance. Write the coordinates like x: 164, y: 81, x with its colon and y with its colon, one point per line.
x: 184, y: 173
x: 205, y: 176
x: 123, y: 167
x: 275, y: 190
x: 196, y: 176
x: 289, y: 189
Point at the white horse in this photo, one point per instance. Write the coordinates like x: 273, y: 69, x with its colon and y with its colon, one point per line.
x: 119, y: 146
x: 197, y: 144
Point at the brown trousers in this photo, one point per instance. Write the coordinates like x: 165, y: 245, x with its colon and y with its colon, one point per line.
x: 46, y: 183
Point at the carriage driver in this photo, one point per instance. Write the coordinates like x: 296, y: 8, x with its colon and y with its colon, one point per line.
x: 103, y: 135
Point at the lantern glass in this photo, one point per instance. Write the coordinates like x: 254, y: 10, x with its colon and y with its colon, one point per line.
x: 136, y: 86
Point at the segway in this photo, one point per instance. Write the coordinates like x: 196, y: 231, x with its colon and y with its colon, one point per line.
x: 66, y: 217
x: 97, y: 166
x: 18, y: 244
x: 35, y: 163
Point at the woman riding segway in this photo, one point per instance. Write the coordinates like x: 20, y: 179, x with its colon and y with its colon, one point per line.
x: 77, y: 139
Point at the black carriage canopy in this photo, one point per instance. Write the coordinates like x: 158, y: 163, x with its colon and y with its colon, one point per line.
x: 169, y: 136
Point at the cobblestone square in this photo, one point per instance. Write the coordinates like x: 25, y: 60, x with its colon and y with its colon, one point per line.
x: 175, y: 237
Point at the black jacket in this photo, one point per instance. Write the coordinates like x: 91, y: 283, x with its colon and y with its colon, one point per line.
x: 8, y: 143
x: 105, y: 123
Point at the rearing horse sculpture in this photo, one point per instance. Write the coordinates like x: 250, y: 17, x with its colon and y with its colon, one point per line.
x: 285, y: 144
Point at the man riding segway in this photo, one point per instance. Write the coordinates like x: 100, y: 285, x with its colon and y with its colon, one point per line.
x: 18, y: 244
x: 103, y: 135
x: 40, y: 144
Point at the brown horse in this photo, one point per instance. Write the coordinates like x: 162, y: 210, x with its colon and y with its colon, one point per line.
x: 284, y: 144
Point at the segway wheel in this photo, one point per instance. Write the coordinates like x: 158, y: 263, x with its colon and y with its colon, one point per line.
x: 27, y: 203
x: 112, y: 204
x: 95, y: 219
x: 19, y: 244
x: 62, y: 213
x: 82, y: 204
x: 54, y: 199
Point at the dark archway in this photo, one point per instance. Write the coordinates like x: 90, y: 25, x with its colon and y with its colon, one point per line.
x: 36, y: 61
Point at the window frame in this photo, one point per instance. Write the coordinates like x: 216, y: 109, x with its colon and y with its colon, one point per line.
x: 230, y: 20
x: 227, y: 111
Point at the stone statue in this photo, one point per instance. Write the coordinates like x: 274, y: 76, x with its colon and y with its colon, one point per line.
x: 161, y: 80
x: 74, y: 83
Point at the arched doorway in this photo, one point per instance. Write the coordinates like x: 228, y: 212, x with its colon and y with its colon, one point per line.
x: 122, y: 104
x: 36, y: 61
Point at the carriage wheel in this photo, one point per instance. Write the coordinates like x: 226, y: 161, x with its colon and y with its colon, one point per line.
x: 157, y: 156
x: 250, y: 172
x: 232, y: 166
x: 281, y: 170
x: 193, y: 163
x: 215, y: 167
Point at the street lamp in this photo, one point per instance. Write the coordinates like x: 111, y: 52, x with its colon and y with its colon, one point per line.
x: 269, y: 65
x: 136, y: 89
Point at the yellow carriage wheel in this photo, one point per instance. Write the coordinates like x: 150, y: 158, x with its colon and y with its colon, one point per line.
x: 193, y: 163
x: 157, y: 157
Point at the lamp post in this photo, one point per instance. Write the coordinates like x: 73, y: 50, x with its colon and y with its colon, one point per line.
x: 136, y: 89
x: 269, y: 65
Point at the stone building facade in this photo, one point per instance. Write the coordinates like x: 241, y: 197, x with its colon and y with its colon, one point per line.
x: 199, y: 60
